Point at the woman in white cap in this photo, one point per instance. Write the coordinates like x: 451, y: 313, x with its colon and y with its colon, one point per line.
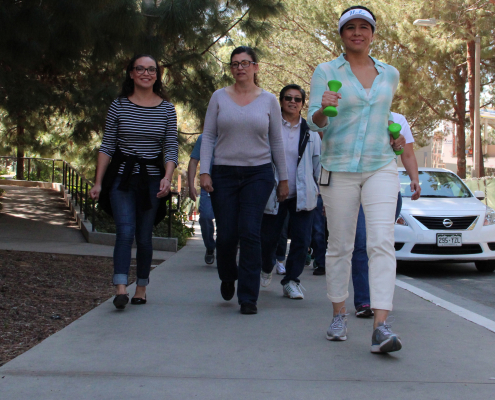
x: 359, y: 166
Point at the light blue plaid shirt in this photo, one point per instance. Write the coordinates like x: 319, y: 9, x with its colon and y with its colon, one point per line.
x: 357, y: 139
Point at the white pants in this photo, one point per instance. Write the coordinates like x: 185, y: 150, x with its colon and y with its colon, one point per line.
x: 377, y: 192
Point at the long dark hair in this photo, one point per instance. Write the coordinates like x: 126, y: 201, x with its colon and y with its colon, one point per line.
x: 128, y: 85
x: 250, y: 52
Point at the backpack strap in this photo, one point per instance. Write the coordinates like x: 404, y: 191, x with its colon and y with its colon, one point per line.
x: 303, y: 139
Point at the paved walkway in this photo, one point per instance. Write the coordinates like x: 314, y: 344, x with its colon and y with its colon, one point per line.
x: 188, y: 343
x: 35, y: 219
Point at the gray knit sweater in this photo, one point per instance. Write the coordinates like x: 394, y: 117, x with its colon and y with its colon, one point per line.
x: 245, y: 136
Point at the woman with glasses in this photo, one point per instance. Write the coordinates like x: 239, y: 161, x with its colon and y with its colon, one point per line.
x: 136, y: 162
x: 302, y: 155
x: 359, y: 166
x: 243, y: 127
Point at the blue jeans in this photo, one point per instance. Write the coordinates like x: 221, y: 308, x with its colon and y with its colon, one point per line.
x: 318, y: 237
x: 206, y: 218
x: 300, y: 223
x: 131, y: 221
x: 239, y: 199
x: 359, y: 261
x: 282, y: 243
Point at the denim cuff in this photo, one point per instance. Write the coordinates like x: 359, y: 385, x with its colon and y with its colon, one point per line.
x: 120, y: 279
x: 142, y: 282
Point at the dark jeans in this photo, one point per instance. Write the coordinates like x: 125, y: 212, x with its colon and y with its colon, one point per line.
x: 300, y: 230
x: 318, y: 237
x: 282, y: 243
x: 360, y: 279
x: 131, y: 221
x: 206, y: 218
x: 239, y: 199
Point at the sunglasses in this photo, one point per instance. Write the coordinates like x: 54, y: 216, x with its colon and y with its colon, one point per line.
x: 290, y: 98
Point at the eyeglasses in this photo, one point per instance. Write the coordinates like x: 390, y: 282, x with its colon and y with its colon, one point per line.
x: 140, y: 70
x: 244, y: 64
x: 290, y: 98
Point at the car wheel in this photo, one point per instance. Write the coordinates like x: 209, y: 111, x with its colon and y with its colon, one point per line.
x: 485, y: 266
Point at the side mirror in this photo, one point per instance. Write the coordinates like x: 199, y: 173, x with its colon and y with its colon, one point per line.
x: 479, y: 194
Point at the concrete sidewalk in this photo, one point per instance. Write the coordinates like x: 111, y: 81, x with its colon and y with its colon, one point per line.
x: 188, y: 343
x: 35, y: 219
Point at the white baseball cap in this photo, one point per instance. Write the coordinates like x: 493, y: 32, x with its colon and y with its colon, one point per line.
x: 357, y: 13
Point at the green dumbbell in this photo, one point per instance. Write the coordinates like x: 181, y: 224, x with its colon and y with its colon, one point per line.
x: 394, y: 130
x: 331, y: 111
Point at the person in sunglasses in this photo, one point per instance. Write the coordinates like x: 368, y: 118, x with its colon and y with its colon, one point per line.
x: 136, y: 162
x: 243, y: 127
x: 302, y: 154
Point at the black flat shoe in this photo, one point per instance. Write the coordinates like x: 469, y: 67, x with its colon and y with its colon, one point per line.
x: 120, y: 301
x: 138, y: 300
x: 249, y: 309
x: 227, y: 289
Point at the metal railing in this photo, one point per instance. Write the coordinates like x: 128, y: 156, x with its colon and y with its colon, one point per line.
x: 78, y: 186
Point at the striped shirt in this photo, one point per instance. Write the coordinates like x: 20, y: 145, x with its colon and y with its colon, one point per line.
x: 357, y: 139
x: 142, y: 131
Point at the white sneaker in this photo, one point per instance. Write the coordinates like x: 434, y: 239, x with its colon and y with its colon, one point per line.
x: 292, y: 290
x: 280, y: 268
x: 266, y: 279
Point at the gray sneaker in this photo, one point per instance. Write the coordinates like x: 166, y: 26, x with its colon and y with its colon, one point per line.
x: 338, y: 328
x: 384, y: 340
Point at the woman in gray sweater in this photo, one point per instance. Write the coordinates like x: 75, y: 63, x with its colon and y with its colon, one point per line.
x: 243, y: 127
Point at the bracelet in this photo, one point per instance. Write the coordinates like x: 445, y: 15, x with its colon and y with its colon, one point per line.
x: 167, y: 179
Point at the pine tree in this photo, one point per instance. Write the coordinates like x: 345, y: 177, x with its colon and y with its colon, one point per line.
x: 432, y: 61
x: 67, y: 58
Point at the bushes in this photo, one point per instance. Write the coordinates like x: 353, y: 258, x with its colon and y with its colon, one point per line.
x: 104, y: 223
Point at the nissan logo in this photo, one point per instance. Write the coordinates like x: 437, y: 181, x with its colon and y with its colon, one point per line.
x: 447, y: 223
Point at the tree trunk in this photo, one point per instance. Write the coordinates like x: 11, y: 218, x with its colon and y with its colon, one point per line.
x: 20, y: 153
x: 471, y: 82
x: 460, y: 79
x: 461, y: 148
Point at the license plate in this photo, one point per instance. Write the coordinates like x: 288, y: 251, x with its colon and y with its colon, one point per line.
x: 449, y: 239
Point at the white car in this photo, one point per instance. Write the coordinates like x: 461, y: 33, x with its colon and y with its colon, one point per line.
x: 447, y: 223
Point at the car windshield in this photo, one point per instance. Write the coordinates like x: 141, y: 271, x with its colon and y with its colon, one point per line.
x: 435, y: 184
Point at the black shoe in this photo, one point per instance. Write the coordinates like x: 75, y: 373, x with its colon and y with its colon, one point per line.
x: 138, y: 300
x: 120, y: 301
x: 364, y: 311
x: 307, y: 263
x: 249, y: 309
x: 227, y: 289
x: 210, y: 257
x: 318, y: 269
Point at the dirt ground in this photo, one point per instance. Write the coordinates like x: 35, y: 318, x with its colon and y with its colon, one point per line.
x: 42, y: 293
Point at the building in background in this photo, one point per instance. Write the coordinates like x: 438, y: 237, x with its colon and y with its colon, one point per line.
x: 441, y: 152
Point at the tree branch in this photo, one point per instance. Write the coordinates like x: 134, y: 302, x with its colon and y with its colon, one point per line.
x: 225, y: 33
x: 434, y: 109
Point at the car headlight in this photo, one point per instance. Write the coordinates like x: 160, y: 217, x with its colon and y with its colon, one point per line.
x: 489, y: 216
x: 401, y: 221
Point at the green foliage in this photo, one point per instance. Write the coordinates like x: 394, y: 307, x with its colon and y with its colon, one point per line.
x: 432, y: 61
x: 62, y: 63
x: 42, y: 170
x: 179, y: 228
